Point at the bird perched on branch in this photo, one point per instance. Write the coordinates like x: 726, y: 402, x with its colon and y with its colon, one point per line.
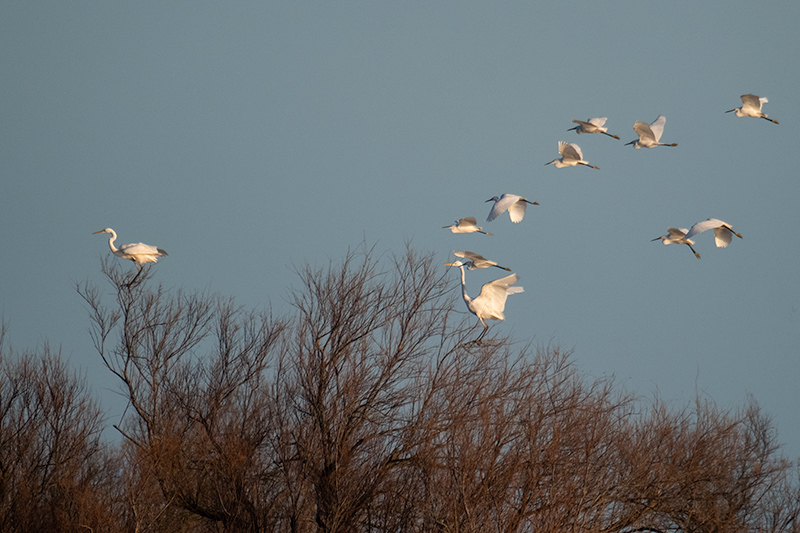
x: 491, y: 302
x: 139, y: 252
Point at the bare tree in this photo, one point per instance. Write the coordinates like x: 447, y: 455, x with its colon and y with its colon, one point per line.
x: 368, y: 409
x: 55, y: 472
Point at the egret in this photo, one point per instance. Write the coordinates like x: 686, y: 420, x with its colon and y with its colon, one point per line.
x: 492, y: 299
x: 677, y: 236
x: 751, y: 107
x: 649, y: 134
x: 593, y: 125
x: 723, y: 232
x: 476, y: 260
x: 139, y: 252
x: 571, y: 156
x: 515, y: 205
x: 466, y: 225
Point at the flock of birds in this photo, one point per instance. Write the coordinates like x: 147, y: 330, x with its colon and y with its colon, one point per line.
x: 491, y: 301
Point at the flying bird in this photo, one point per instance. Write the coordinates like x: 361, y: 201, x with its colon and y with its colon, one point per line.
x: 571, y: 156
x: 515, y: 205
x: 475, y: 261
x: 492, y: 299
x: 139, y: 252
x: 593, y: 125
x: 723, y: 232
x: 649, y: 134
x: 466, y: 225
x: 751, y: 107
x: 677, y: 236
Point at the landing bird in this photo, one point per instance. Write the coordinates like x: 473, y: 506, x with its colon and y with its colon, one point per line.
x: 677, y: 236
x: 723, y: 232
x: 475, y: 261
x: 139, y: 252
x: 515, y: 205
x: 751, y: 107
x: 491, y: 302
x: 593, y: 125
x: 649, y: 134
x: 466, y: 225
x: 571, y: 156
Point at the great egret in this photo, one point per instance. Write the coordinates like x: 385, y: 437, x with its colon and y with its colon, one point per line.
x: 723, y: 232
x: 476, y: 260
x: 751, y: 107
x: 139, y: 252
x: 571, y: 156
x: 466, y: 225
x: 492, y: 299
x: 515, y: 205
x: 593, y: 125
x: 649, y: 134
x: 677, y: 236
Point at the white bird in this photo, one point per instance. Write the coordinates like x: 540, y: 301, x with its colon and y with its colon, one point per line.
x: 515, y: 205
x: 571, y: 156
x: 677, y: 236
x: 491, y: 302
x: 593, y: 125
x: 466, y: 225
x: 139, y: 252
x: 649, y: 134
x: 751, y: 107
x: 723, y: 232
x: 476, y: 260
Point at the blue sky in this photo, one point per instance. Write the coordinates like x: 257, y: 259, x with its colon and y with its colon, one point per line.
x: 248, y: 137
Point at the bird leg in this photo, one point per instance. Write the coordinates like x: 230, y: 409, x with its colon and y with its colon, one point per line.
x: 692, y: 249
x: 773, y: 121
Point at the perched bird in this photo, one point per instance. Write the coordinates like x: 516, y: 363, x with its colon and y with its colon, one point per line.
x: 139, y: 252
x: 475, y: 261
x: 723, y: 232
x: 593, y: 125
x: 751, y: 107
x: 466, y: 225
x: 515, y: 205
x: 649, y: 134
x: 491, y: 302
x: 677, y: 236
x: 571, y: 156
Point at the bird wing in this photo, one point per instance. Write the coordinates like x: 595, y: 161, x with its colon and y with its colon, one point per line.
x: 562, y: 146
x: 677, y: 233
x: 751, y: 101
x: 700, y: 227
x: 571, y: 151
x: 139, y: 248
x: 517, y: 211
x: 599, y: 121
x: 492, y: 299
x: 722, y: 236
x: 467, y: 221
x: 472, y: 256
x: 643, y: 130
x: 583, y: 125
x: 657, y: 127
x: 501, y: 205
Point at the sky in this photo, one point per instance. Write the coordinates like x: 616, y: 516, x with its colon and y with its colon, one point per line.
x: 247, y: 138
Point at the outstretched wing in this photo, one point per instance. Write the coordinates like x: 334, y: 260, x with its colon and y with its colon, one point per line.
x: 570, y: 151
x: 657, y: 127
x: 492, y: 299
x: 700, y: 227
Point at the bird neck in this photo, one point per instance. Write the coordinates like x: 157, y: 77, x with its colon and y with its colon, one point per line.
x: 464, y: 285
x: 111, y: 241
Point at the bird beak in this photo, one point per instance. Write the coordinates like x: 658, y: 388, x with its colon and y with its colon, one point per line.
x: 730, y: 111
x: 449, y: 264
x: 489, y: 200
x: 96, y: 232
x: 626, y: 144
x: 657, y: 238
x: 575, y: 128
